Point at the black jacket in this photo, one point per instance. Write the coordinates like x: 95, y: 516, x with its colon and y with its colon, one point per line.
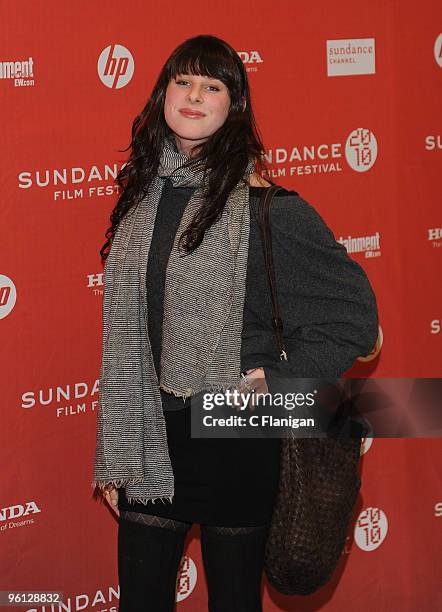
x: 326, y: 302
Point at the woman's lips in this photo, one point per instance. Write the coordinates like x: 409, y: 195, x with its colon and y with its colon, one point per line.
x: 191, y: 114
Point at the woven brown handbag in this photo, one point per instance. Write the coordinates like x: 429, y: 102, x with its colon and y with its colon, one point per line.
x: 318, y: 484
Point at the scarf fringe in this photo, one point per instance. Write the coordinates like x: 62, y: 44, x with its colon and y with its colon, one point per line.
x: 145, y: 500
x: 167, y: 389
x: 220, y: 387
x: 117, y: 483
x: 120, y: 482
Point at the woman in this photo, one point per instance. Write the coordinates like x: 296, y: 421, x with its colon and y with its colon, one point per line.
x: 187, y: 307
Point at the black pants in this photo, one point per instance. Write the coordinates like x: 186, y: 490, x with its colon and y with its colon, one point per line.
x: 149, y: 554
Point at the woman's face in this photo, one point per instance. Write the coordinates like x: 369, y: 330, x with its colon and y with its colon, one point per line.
x: 208, y: 98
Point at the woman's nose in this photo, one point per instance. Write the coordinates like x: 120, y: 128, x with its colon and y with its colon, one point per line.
x: 194, y: 94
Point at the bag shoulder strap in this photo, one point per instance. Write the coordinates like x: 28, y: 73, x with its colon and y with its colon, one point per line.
x: 266, y: 240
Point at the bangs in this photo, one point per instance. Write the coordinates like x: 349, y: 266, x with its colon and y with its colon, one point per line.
x: 200, y: 62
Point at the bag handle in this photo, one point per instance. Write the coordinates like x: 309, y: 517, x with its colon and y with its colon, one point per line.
x: 266, y: 240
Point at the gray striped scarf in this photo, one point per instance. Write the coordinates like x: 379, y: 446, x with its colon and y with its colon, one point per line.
x: 202, y: 325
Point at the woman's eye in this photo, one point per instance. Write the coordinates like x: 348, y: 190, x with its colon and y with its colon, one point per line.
x: 211, y: 86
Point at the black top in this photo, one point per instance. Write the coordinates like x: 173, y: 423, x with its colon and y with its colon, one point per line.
x: 326, y: 302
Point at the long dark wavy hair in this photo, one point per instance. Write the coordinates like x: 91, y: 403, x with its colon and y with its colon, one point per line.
x: 225, y: 153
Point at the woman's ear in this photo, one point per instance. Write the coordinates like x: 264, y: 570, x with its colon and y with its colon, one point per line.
x: 244, y: 102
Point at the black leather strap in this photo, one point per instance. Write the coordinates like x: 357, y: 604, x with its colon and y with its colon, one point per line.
x: 266, y: 239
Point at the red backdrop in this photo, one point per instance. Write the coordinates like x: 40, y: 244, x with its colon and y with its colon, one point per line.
x: 347, y: 98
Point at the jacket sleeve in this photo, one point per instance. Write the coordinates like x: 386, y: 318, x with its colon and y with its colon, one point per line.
x: 327, y: 305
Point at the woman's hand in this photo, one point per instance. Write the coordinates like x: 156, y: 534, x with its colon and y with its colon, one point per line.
x: 110, y: 494
x: 258, y: 383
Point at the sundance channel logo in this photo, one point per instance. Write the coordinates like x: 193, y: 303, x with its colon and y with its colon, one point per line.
x: 351, y: 56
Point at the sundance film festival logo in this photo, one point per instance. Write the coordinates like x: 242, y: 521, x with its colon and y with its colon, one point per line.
x: 8, y: 295
x: 433, y: 143
x: 366, y: 445
x: 105, y: 599
x: 371, y: 529
x: 324, y: 158
x: 75, y: 182
x: 361, y: 149
x: 186, y: 578
x: 435, y: 326
x: 67, y: 400
x: 115, y: 66
x: 438, y: 50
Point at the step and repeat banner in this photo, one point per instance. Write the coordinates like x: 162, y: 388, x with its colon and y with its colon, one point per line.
x: 347, y: 98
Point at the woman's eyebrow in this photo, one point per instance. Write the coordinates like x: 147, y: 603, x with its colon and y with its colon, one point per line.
x: 204, y: 77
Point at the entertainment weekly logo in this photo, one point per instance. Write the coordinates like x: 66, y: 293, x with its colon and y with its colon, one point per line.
x: 18, y: 71
x: 369, y: 245
x: 359, y: 151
